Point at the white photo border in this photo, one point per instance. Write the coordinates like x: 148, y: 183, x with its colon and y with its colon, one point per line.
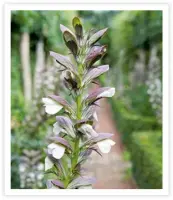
x: 7, y: 93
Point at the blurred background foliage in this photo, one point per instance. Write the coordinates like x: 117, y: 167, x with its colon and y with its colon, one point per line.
x: 134, y: 54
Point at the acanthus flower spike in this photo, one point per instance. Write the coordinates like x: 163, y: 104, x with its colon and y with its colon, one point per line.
x: 74, y: 137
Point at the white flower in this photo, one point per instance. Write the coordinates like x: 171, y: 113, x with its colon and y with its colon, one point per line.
x: 51, y: 107
x: 95, y: 116
x: 88, y: 130
x: 107, y: 93
x: 48, y: 163
x: 57, y: 129
x: 105, y: 145
x: 56, y: 150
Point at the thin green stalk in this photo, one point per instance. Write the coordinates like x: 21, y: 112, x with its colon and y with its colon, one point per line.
x: 78, y: 117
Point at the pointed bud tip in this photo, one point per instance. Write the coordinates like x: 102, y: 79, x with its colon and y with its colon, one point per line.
x: 61, y: 26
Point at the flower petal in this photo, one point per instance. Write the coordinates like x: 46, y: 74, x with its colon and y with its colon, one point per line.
x: 61, y: 141
x: 97, y: 36
x: 58, y: 183
x: 60, y: 101
x: 111, y: 142
x: 51, y: 107
x: 88, y: 130
x: 94, y: 73
x: 51, y: 184
x: 95, y: 53
x: 100, y: 93
x: 64, y: 28
x: 99, y: 137
x: 58, y: 152
x: 95, y: 116
x: 107, y: 93
x: 66, y: 124
x: 70, y: 43
x: 70, y: 39
x: 88, y: 114
x: 48, y: 163
x: 56, y: 128
x: 64, y: 61
x: 105, y: 145
x: 48, y: 101
x: 51, y: 147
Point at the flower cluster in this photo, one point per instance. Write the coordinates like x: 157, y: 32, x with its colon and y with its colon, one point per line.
x: 154, y: 83
x: 31, y: 169
x: 74, y: 137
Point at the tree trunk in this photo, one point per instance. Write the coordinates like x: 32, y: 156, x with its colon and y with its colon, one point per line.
x: 25, y: 62
x: 39, y: 67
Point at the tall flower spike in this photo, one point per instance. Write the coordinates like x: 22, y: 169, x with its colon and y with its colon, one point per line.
x: 74, y: 137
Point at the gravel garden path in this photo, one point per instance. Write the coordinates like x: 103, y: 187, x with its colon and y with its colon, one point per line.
x: 110, y: 169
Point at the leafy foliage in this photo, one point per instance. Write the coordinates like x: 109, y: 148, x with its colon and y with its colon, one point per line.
x: 146, y: 156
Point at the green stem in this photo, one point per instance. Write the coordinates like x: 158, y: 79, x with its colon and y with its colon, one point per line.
x: 76, y: 153
x: 79, y: 102
x: 78, y: 117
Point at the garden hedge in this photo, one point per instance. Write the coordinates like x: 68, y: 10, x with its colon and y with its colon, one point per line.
x: 146, y: 156
x: 128, y: 122
x: 145, y: 147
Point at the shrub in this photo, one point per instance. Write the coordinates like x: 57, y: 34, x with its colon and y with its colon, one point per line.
x: 146, y: 156
x: 128, y: 121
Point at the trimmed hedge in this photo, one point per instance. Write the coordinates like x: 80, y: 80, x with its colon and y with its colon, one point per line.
x: 145, y: 147
x: 128, y: 122
x: 146, y: 156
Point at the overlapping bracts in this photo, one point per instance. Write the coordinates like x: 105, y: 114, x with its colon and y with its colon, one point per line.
x: 74, y: 137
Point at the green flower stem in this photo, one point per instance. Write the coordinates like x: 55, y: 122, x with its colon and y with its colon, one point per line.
x: 78, y: 117
x: 79, y: 102
x: 76, y: 149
